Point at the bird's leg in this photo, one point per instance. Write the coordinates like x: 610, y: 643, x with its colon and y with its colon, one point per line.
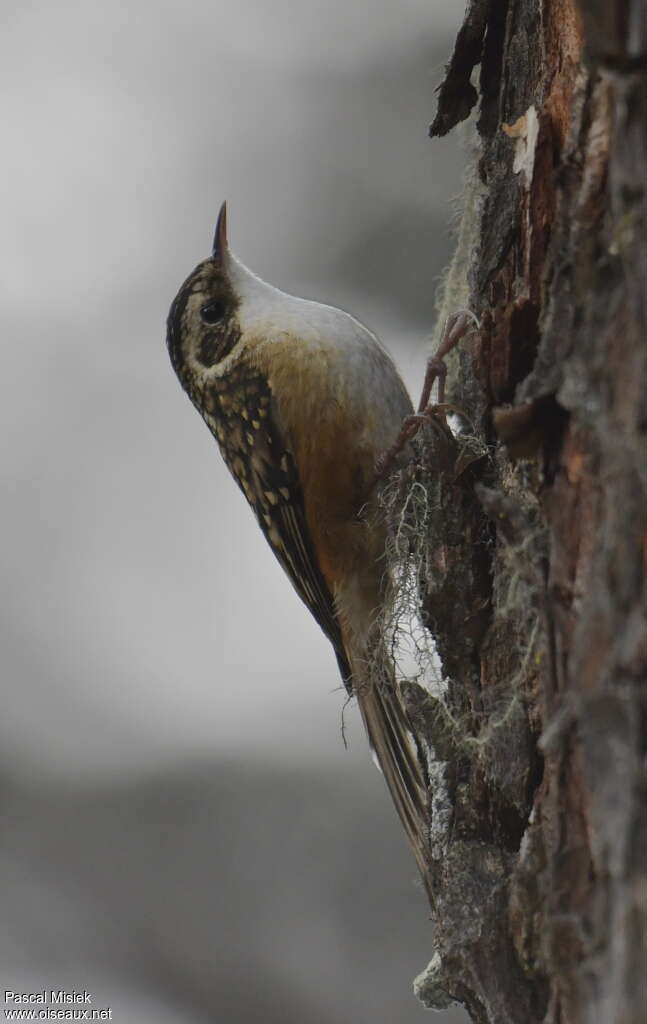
x: 410, y: 427
x: 456, y: 327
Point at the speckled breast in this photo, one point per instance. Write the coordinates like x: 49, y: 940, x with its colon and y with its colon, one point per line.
x: 236, y: 410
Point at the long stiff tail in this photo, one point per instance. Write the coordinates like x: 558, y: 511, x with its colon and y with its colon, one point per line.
x: 390, y: 736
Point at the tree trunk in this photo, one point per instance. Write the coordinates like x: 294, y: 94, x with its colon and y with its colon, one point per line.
x: 530, y: 537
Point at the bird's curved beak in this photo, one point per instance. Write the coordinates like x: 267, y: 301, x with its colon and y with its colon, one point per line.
x: 219, y: 250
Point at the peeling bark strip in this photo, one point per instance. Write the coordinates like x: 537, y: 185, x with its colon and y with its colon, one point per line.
x: 534, y: 576
x: 457, y: 95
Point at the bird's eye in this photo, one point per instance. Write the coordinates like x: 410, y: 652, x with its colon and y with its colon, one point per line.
x: 212, y: 313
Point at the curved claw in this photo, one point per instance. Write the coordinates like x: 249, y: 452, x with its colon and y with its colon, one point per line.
x: 463, y: 312
x: 456, y: 327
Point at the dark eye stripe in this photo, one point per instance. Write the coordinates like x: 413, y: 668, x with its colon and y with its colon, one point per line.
x: 208, y: 349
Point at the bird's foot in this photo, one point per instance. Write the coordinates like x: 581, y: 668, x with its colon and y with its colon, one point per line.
x: 457, y: 326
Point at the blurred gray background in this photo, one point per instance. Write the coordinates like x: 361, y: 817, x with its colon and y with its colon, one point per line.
x: 182, y: 831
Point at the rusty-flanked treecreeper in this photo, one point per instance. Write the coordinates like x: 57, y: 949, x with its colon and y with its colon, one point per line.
x: 304, y: 402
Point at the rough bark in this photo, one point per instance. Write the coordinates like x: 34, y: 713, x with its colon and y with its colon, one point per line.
x: 533, y: 567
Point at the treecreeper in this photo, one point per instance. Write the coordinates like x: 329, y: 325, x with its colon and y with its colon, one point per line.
x: 310, y: 413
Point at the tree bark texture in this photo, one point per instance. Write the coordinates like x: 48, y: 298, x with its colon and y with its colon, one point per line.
x: 534, y: 568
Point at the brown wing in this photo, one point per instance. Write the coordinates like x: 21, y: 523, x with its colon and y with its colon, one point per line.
x: 260, y: 459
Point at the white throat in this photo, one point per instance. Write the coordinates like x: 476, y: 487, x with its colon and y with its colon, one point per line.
x: 256, y: 296
x: 268, y: 312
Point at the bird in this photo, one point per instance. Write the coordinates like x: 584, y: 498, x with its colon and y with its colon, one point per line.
x: 303, y: 402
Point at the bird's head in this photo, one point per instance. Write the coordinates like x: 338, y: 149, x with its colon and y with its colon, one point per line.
x: 203, y: 324
x: 223, y: 310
